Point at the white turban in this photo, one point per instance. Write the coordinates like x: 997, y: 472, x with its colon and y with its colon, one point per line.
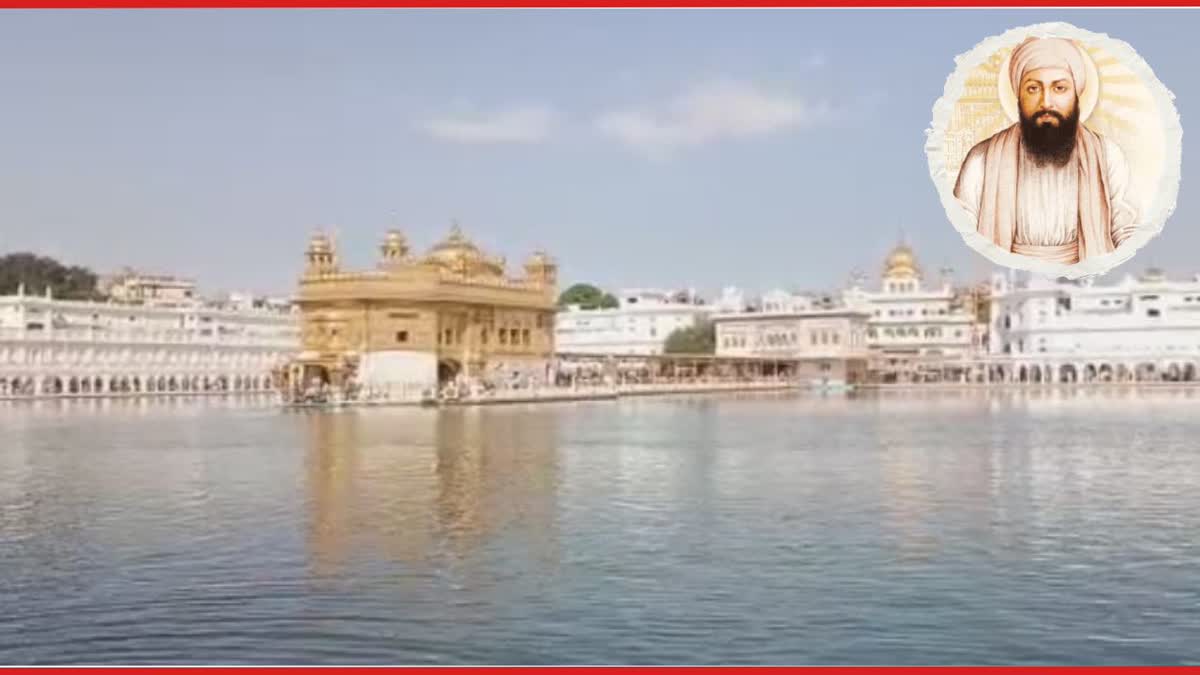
x: 1036, y: 53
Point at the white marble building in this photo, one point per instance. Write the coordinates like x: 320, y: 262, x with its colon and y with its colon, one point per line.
x: 52, y: 347
x: 1142, y: 328
x: 639, y: 325
x: 826, y: 339
x: 912, y: 323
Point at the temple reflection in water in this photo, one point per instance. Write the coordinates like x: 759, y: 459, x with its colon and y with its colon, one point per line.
x: 423, y: 486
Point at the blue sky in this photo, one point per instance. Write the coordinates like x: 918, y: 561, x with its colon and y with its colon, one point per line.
x: 757, y: 148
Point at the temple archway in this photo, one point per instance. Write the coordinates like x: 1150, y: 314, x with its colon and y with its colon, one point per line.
x: 448, y: 369
x: 52, y: 385
x: 1145, y: 372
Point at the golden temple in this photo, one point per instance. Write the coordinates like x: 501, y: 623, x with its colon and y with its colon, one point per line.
x: 420, y: 321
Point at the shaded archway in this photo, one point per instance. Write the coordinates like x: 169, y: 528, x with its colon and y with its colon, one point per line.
x: 448, y: 370
x: 1067, y: 373
x: 52, y: 385
x: 1145, y: 372
x: 1189, y: 372
x: 73, y: 385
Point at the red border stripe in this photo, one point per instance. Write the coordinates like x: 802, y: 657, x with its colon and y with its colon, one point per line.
x: 627, y: 670
x: 583, y: 4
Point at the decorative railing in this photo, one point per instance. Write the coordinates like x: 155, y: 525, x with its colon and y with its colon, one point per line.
x: 127, y: 337
x: 418, y: 277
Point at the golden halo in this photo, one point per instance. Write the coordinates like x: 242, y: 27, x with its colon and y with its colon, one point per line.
x: 1087, y: 98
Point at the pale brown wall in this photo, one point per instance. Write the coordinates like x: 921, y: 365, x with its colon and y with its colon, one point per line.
x: 426, y: 327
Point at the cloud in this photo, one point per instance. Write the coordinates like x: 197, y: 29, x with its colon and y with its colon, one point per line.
x: 517, y: 124
x: 711, y: 112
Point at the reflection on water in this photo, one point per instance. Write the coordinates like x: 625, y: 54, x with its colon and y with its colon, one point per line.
x: 426, y: 487
x: 1049, y: 526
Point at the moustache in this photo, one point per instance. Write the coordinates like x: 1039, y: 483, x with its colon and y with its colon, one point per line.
x: 1050, y: 113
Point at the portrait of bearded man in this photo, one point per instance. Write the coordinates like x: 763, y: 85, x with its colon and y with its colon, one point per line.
x: 1048, y: 187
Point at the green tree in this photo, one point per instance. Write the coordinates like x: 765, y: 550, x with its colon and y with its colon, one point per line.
x: 698, y: 339
x: 587, y: 296
x: 38, y: 273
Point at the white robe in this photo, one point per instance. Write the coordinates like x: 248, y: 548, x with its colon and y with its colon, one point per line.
x: 1047, y: 207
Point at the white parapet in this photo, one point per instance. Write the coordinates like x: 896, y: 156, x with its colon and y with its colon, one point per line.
x: 398, y: 368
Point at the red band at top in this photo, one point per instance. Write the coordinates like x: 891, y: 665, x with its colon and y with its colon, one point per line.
x: 582, y: 4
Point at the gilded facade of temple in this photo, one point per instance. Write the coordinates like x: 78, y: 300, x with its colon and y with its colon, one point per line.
x: 419, y: 320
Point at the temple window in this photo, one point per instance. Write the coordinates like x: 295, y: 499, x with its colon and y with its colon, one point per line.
x: 402, y: 336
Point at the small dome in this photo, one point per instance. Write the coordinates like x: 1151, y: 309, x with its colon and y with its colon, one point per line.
x: 319, y: 243
x: 456, y: 252
x: 901, y: 263
x: 395, y: 246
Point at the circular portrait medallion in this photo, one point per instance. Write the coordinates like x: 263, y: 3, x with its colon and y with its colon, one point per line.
x: 1055, y: 150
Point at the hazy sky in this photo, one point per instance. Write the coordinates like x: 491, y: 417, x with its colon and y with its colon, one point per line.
x: 756, y: 148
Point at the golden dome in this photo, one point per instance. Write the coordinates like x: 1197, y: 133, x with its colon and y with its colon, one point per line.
x: 459, y: 254
x: 395, y: 246
x: 901, y: 263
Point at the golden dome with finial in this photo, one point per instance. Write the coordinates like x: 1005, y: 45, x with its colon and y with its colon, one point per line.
x: 901, y: 263
x: 395, y: 246
x: 459, y: 254
x: 394, y: 238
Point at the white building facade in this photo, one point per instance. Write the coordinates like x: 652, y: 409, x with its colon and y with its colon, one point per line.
x: 639, y: 325
x: 51, y: 347
x: 1143, y: 328
x: 827, y: 342
x: 912, y: 325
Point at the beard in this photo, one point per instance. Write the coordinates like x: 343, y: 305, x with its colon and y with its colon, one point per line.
x: 1048, y: 143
